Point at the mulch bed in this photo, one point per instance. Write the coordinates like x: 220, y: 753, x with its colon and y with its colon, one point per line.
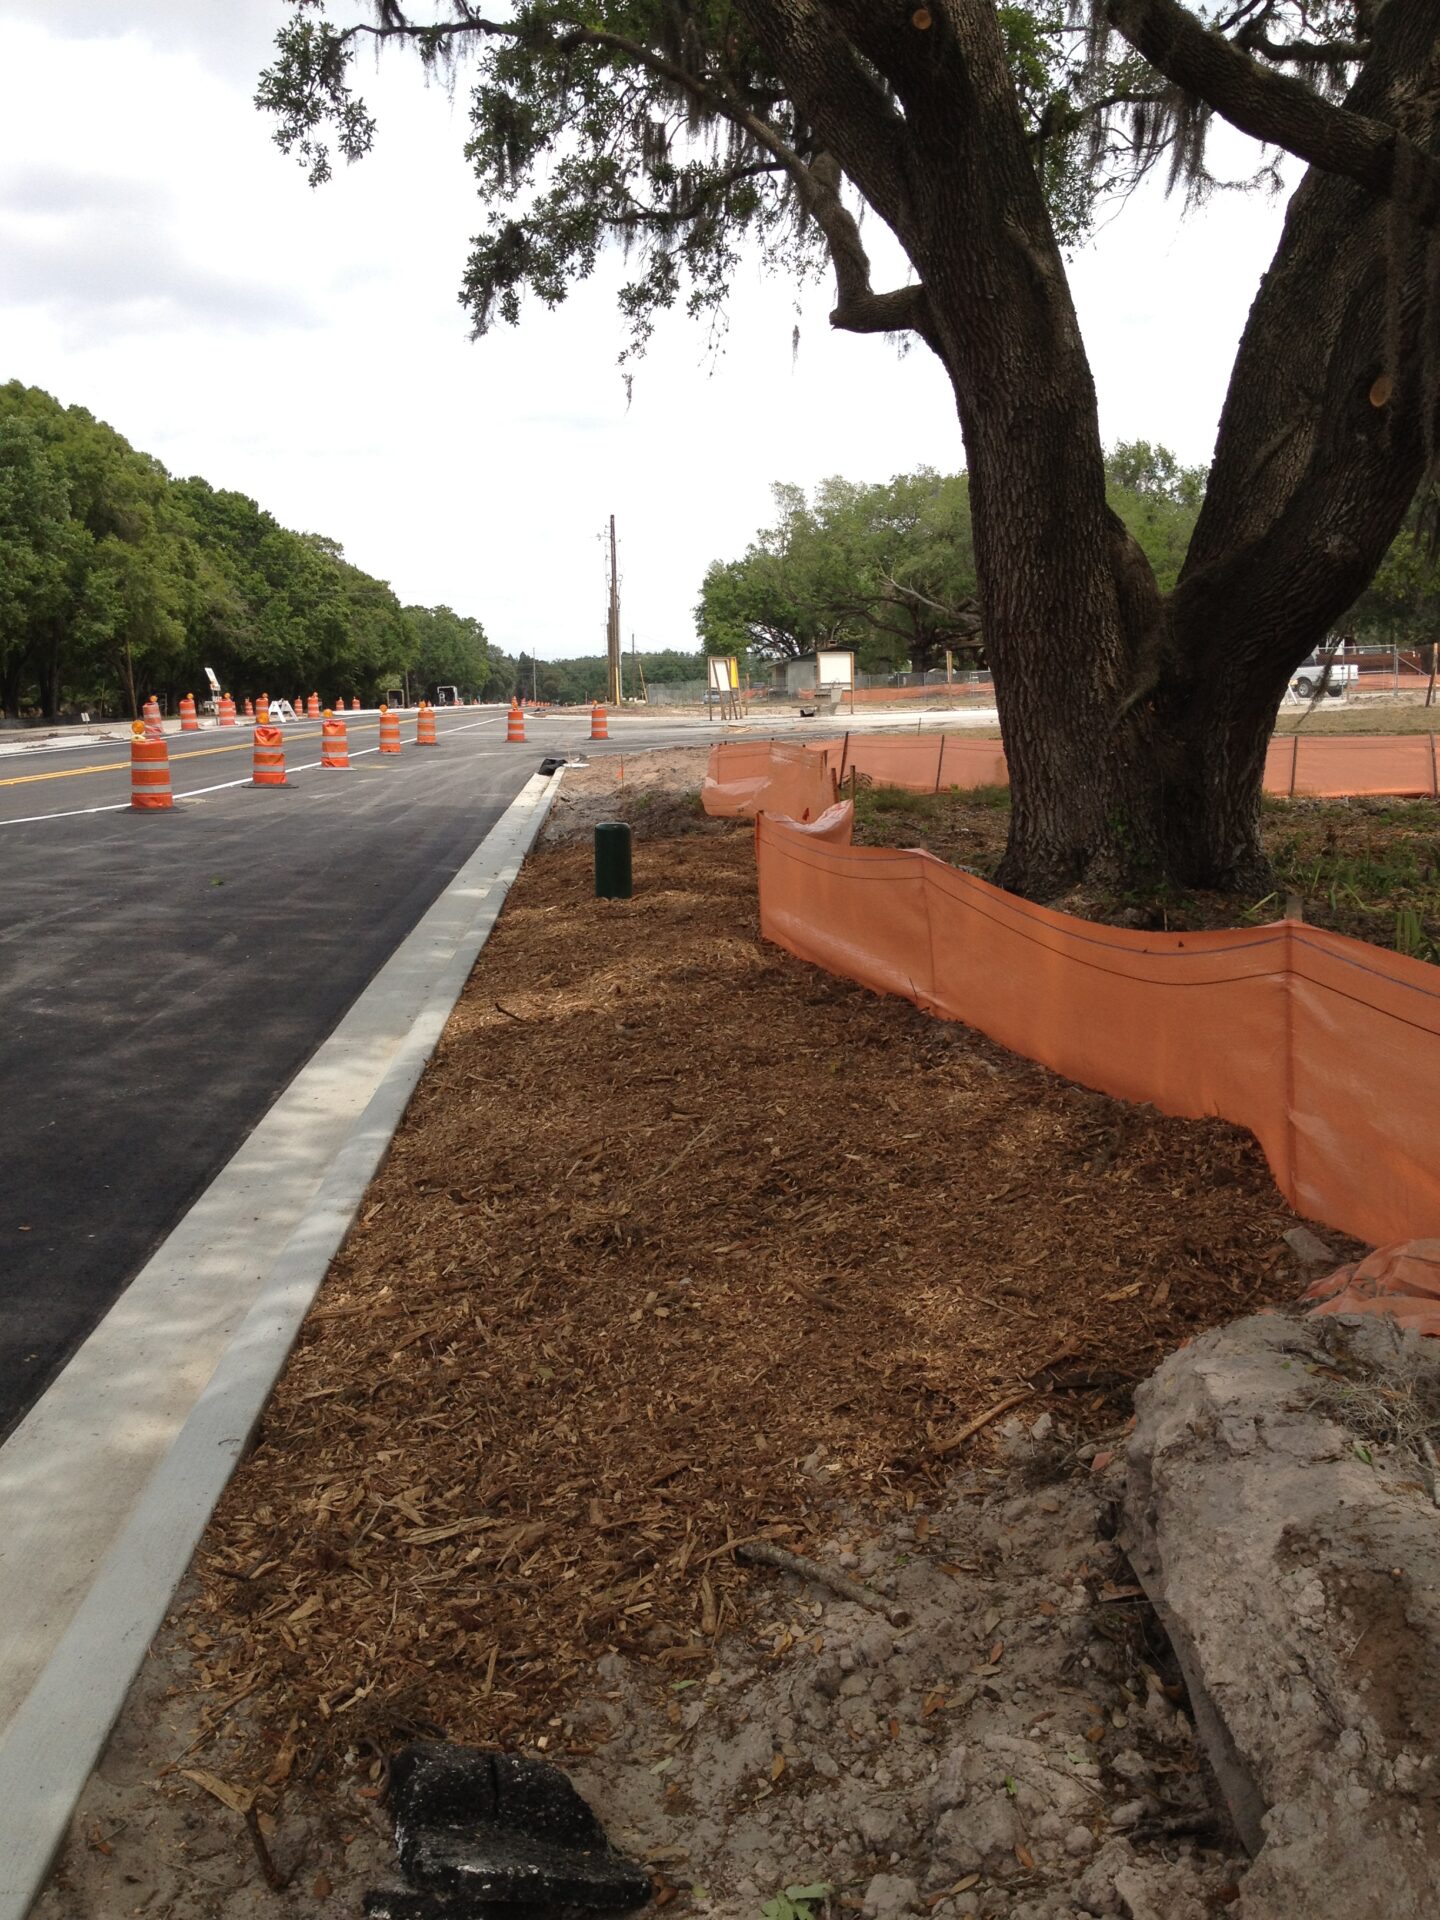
x: 679, y: 1236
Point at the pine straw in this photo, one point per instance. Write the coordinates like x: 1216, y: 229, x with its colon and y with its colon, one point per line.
x: 680, y: 1240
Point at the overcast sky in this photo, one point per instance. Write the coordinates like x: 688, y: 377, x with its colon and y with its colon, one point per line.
x: 165, y: 266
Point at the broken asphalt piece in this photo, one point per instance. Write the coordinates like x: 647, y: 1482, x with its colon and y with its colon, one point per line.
x: 476, y: 1831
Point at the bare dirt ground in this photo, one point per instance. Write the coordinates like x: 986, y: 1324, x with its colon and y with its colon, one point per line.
x: 684, y: 1245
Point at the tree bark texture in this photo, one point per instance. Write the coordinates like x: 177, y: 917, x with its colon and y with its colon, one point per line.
x: 1135, y: 727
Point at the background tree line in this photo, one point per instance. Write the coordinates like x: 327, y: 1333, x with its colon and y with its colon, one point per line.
x: 584, y: 677
x: 117, y: 581
x: 888, y: 569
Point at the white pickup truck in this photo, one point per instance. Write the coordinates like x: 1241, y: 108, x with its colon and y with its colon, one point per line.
x: 1319, y: 671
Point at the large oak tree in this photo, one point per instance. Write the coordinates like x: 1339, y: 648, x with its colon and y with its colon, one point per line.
x: 978, y: 133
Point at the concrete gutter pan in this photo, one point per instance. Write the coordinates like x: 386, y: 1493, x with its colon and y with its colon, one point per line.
x: 95, y: 1618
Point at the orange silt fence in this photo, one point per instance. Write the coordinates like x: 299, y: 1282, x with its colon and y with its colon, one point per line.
x: 783, y: 776
x: 1314, y: 766
x: 189, y: 722
x: 1328, y: 766
x: 154, y: 728
x: 515, y: 724
x: 268, y: 767
x: 425, y: 735
x: 1326, y: 1048
x: 334, y: 743
x: 599, y: 724
x: 149, y: 771
x: 389, y: 731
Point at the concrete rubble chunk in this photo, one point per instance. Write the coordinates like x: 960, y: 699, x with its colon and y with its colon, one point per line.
x: 1279, y: 1512
x: 477, y: 1831
x: 1309, y: 1249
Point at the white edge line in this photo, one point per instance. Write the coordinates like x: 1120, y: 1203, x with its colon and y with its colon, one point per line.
x: 56, y: 1735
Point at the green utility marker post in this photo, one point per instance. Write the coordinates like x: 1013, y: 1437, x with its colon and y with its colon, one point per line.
x: 612, y: 861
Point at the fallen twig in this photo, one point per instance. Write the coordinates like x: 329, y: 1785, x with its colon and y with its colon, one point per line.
x: 973, y: 1427
x: 274, y: 1879
x: 761, y: 1552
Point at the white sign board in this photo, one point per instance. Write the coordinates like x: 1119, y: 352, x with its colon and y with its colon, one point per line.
x: 834, y: 667
x: 214, y: 683
x: 722, y: 674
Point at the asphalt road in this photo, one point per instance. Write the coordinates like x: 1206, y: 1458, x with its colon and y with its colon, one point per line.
x: 163, y: 976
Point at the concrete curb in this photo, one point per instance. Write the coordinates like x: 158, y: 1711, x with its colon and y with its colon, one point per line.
x: 53, y: 1740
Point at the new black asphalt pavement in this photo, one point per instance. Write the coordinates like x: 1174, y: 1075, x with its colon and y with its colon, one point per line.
x: 163, y: 976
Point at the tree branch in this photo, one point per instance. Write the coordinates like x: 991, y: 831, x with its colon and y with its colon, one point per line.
x: 970, y: 610
x: 1302, y: 53
x: 1277, y: 109
x: 840, y: 97
x: 903, y: 310
x: 858, y: 309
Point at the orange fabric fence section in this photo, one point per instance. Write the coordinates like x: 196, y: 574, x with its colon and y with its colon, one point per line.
x: 921, y: 762
x: 1405, y: 766
x: 781, y: 775
x: 1327, y: 1049
x: 1332, y: 765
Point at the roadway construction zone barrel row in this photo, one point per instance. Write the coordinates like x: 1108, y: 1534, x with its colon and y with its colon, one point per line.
x: 150, y: 763
x: 150, y: 756
x: 227, y: 713
x: 308, y: 707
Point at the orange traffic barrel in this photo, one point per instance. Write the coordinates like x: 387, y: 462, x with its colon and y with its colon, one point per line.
x: 227, y: 711
x: 149, y: 771
x: 425, y: 726
x: 389, y: 731
x: 354, y: 703
x: 599, y: 725
x: 153, y: 729
x: 249, y: 709
x: 269, y: 762
x: 188, y: 721
x: 334, y: 745
x: 312, y: 707
x: 515, y: 726
x: 262, y: 710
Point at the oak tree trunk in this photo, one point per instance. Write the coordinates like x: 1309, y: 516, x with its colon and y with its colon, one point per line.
x: 1136, y: 726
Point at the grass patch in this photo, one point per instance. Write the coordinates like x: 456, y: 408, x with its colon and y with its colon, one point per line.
x: 1367, y: 868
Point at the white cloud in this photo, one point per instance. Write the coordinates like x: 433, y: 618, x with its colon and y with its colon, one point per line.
x: 164, y: 266
x: 222, y: 34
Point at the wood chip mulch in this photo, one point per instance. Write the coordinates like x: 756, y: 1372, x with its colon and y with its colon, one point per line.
x: 681, y: 1242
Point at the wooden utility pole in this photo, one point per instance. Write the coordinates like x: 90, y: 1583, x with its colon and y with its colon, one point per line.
x: 613, y: 628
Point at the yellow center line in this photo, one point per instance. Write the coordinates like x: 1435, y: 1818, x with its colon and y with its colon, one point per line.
x: 194, y: 753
